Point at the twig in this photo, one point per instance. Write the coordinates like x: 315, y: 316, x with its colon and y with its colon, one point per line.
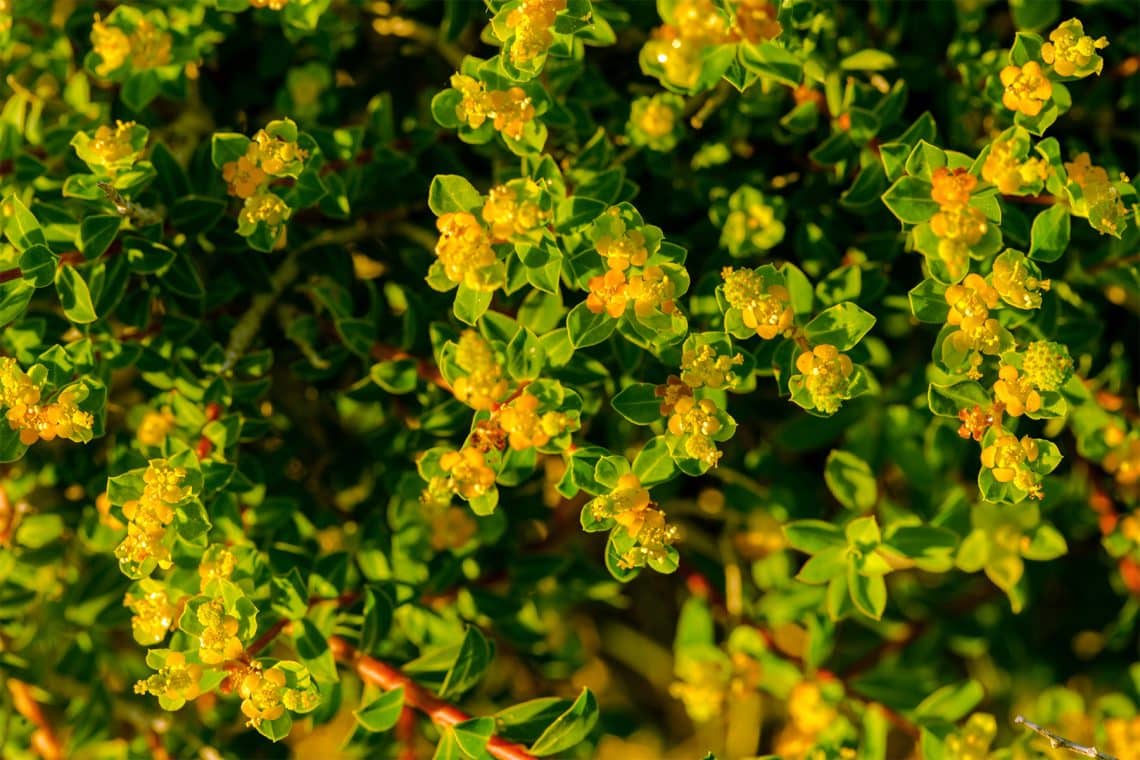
x: 1058, y: 742
x: 44, y: 740
x: 442, y: 713
x: 265, y: 639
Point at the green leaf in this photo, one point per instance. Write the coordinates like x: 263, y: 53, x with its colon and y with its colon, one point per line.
x: 382, y: 712
x: 226, y: 147
x: 570, y: 728
x: 196, y: 214
x: 1049, y: 236
x: 909, y: 200
x: 1047, y: 543
x: 450, y: 193
x: 290, y: 597
x: 868, y: 592
x: 868, y: 60
x: 396, y: 376
x: 850, y: 480
x: 948, y: 400
x: 97, y: 232
x: 470, y: 304
x: 1034, y: 15
x: 74, y: 296
x: 654, y: 463
x: 378, y: 610
x: 772, y: 61
x: 638, y: 403
x: 950, y: 703
x: 472, y: 661
x: 527, y: 721
x: 928, y: 302
x: 842, y: 326
x: 313, y: 649
x: 813, y: 536
x: 585, y: 328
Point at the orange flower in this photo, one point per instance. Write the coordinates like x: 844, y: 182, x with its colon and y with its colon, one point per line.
x: 608, y: 293
x: 952, y: 187
x: 1016, y: 392
x: 1026, y: 88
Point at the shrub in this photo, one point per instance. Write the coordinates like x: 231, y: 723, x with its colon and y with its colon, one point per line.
x: 569, y: 378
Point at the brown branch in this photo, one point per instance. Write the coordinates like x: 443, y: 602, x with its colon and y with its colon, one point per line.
x: 265, y: 639
x: 44, y: 740
x: 442, y: 713
x: 1037, y: 200
x: 1059, y: 742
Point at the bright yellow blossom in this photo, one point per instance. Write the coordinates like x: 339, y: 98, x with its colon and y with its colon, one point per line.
x: 1071, y: 52
x: 1026, y: 88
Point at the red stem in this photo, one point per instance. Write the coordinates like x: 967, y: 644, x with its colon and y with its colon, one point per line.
x: 442, y: 713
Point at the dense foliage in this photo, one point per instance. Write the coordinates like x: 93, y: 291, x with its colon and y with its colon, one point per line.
x: 572, y: 378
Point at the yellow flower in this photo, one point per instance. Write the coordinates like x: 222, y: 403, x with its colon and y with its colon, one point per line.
x: 155, y: 426
x: 809, y: 711
x: 1072, y: 52
x: 532, y: 22
x: 524, y: 426
x: 175, y: 682
x: 218, y: 563
x: 623, y: 248
x: 111, y: 44
x: 264, y: 207
x: 1124, y: 461
x: 510, y: 211
x: 1016, y: 392
x: 273, y: 154
x: 650, y: 291
x: 61, y: 418
x: 154, y: 614
x: 1004, y: 169
x: 243, y: 177
x: 465, y: 251
x: 826, y: 376
x: 1026, y: 88
x: 483, y: 385
x: 703, y: 366
x: 959, y: 224
x: 473, y: 107
x: 1099, y: 199
x: 755, y: 21
x: 1016, y: 284
x: 1047, y: 366
x: 1123, y: 737
x: 970, y: 302
x: 262, y: 695
x: 655, y: 122
x: 15, y: 385
x: 973, y: 741
x: 149, y: 516
x: 700, y: 421
x: 273, y: 5
x: 671, y: 393
x: 608, y: 293
x: 952, y: 188
x: 1007, y: 457
x: 150, y: 46
x: 111, y: 147
x: 218, y: 641
x: 469, y: 473
x: 765, y: 308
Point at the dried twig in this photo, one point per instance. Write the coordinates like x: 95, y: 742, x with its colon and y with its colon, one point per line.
x: 1059, y: 742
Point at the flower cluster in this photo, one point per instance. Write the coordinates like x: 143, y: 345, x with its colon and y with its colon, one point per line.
x: 697, y: 422
x: 1094, y: 196
x: 468, y: 473
x: 155, y: 426
x: 1018, y: 280
x: 970, y: 303
x: 973, y: 741
x: 510, y: 110
x: 675, y: 49
x: 532, y: 23
x: 655, y: 121
x: 1009, y: 460
x: 148, y: 518
x: 512, y: 210
x: 1046, y: 365
x: 1071, y: 52
x: 525, y: 427
x: 624, y: 248
x: 1027, y: 89
x: 218, y: 640
x: 482, y: 385
x: 810, y: 713
x: 703, y: 366
x: 630, y: 506
x: 764, y: 306
x: 273, y: 152
x: 111, y: 150
x: 154, y: 613
x: 1007, y: 166
x: 143, y: 44
x: 175, y: 683
x: 826, y: 375
x: 753, y: 224
x: 39, y: 420
x: 465, y: 252
x: 267, y: 694
x: 958, y: 225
